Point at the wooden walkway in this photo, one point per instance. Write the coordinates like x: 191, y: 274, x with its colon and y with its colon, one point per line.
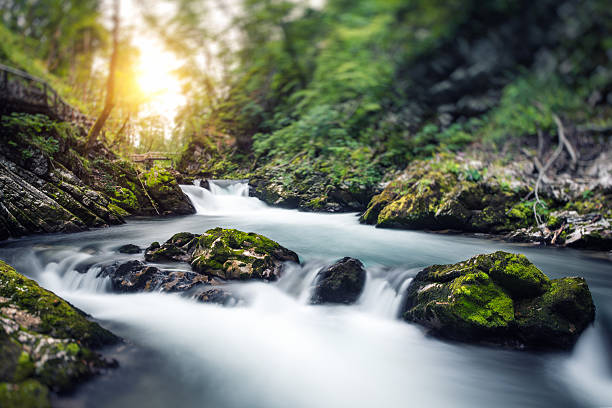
x: 150, y: 157
x: 22, y: 92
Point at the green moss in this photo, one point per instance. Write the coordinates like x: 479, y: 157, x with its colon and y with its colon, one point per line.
x: 564, y: 311
x: 477, y: 300
x: 125, y: 198
x: 25, y: 367
x: 236, y: 239
x: 517, y: 275
x: 160, y: 180
x: 26, y: 394
x: 182, y: 238
x: 234, y: 254
x: 316, y: 203
x: 59, y: 319
x: 118, y: 211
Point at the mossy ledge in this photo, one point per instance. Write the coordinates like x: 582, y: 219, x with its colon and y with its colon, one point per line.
x: 500, y: 299
x: 47, y: 344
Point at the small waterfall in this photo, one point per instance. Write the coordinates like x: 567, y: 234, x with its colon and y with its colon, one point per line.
x: 238, y: 188
x: 382, y: 295
x: 222, y: 197
x: 588, y: 371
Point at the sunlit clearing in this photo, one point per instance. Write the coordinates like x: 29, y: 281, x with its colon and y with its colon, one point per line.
x: 157, y: 81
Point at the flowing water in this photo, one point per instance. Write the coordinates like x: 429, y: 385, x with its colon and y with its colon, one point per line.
x: 274, y: 350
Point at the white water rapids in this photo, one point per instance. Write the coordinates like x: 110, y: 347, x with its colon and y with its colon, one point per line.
x: 275, y: 350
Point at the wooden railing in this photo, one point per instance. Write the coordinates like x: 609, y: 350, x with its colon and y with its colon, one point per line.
x: 22, y: 92
x: 153, y: 156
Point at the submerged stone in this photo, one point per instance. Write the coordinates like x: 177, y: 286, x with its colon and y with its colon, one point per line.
x: 129, y: 249
x: 341, y: 282
x: 500, y: 298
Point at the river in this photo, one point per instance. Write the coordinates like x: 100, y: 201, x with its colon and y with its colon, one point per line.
x: 274, y: 350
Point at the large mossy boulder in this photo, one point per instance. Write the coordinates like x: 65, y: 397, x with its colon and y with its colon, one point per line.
x: 502, y: 299
x: 227, y: 254
x: 47, y: 344
x: 341, y: 282
x: 233, y: 254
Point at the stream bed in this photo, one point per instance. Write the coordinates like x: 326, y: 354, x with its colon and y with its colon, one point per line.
x: 274, y: 350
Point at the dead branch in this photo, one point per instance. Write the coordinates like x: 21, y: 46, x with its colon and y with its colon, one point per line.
x: 566, y: 142
x: 556, y: 234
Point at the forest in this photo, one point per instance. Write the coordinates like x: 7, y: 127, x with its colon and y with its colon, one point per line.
x: 446, y: 164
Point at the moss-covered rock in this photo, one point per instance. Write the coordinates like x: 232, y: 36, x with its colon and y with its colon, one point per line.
x: 26, y: 394
x: 483, y: 192
x: 234, y: 254
x: 163, y: 188
x: 445, y: 193
x: 500, y: 298
x: 47, y: 345
x: 53, y: 315
x: 225, y: 254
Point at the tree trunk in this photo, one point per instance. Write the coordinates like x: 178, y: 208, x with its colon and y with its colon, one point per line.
x: 109, y: 102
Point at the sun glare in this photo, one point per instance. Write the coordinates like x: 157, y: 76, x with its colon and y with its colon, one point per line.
x: 157, y: 81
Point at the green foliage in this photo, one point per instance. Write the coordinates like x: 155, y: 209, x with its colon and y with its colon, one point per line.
x: 36, y: 130
x: 48, y: 33
x: 527, y: 106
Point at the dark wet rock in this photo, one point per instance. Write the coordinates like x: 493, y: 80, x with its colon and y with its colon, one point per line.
x: 135, y: 276
x: 178, y: 248
x: 501, y: 299
x: 129, y: 249
x: 341, y: 282
x: 217, y: 295
x: 47, y: 345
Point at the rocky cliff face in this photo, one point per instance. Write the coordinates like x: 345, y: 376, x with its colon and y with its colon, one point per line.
x: 48, y: 183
